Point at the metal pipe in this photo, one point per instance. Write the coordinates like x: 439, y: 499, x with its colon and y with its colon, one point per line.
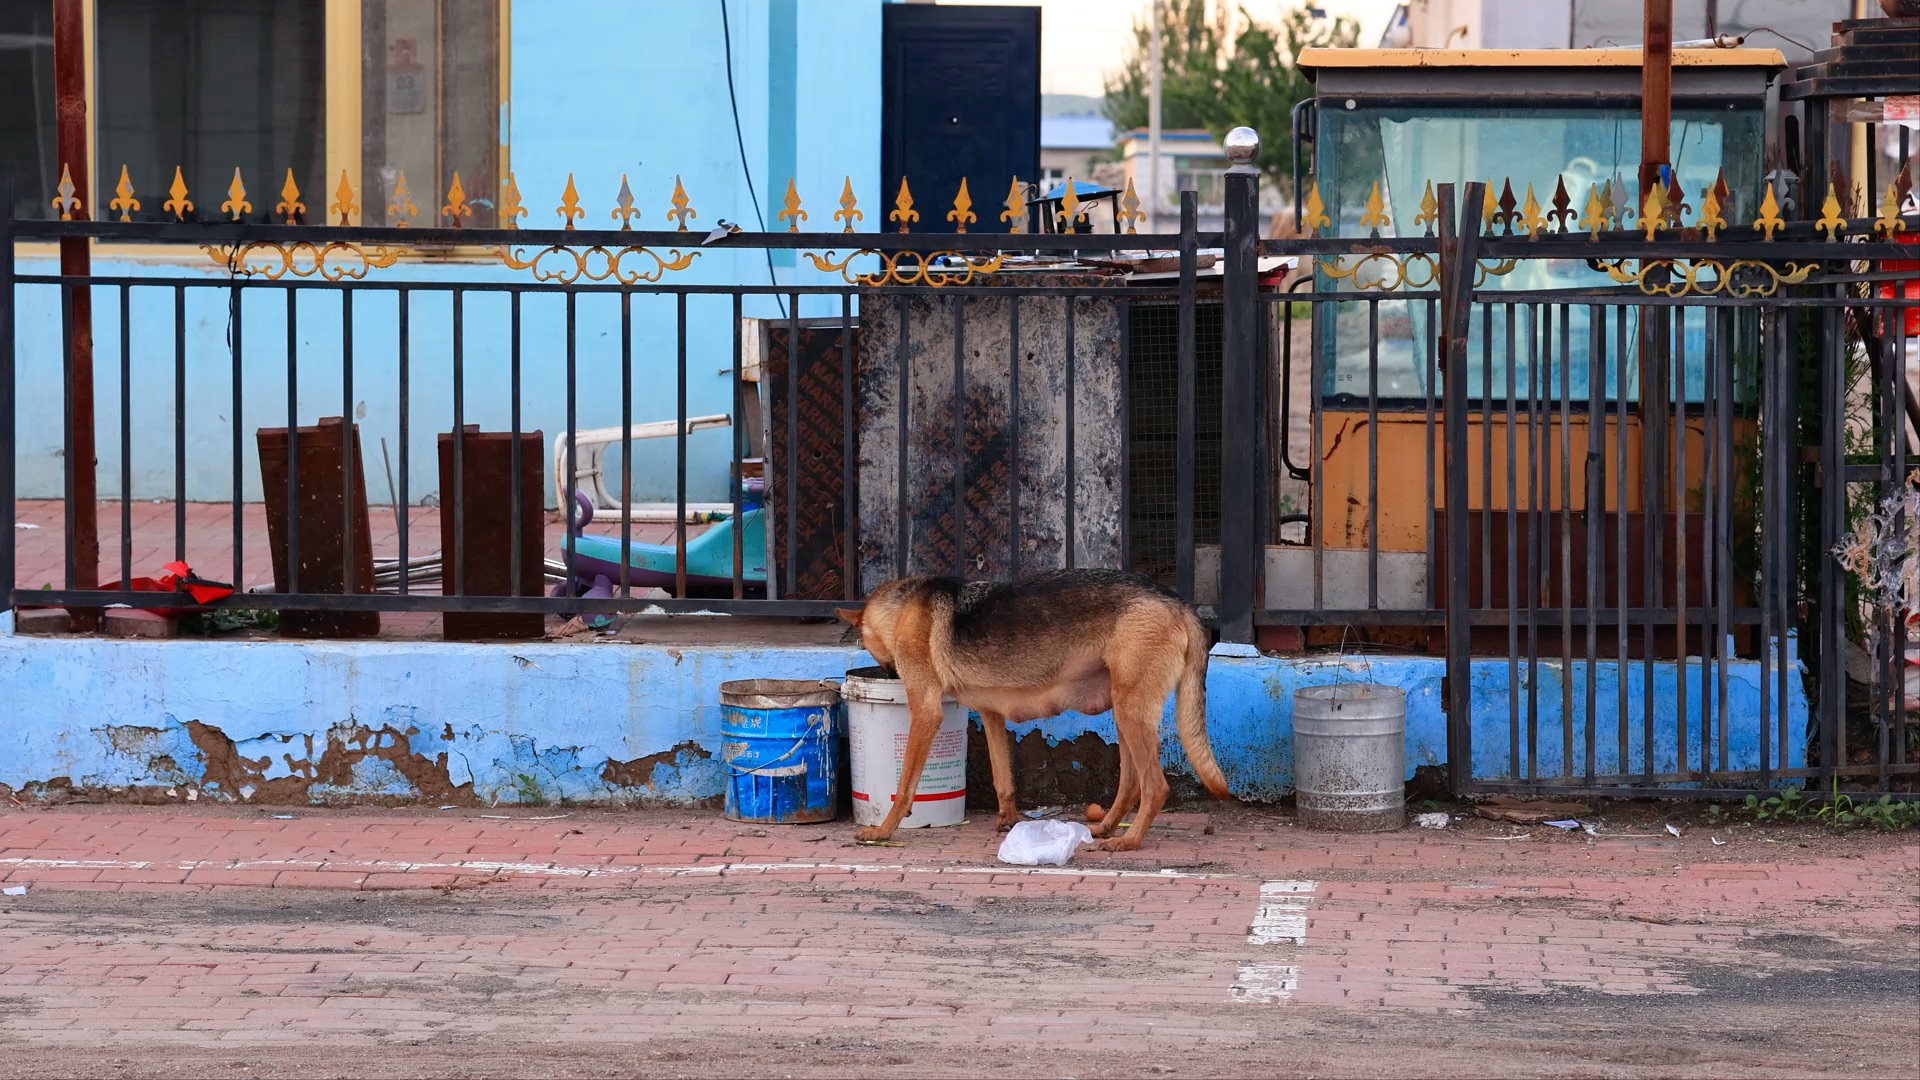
x: 70, y: 105
x: 1656, y: 92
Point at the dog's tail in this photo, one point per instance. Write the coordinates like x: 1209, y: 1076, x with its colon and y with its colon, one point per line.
x: 1190, y: 712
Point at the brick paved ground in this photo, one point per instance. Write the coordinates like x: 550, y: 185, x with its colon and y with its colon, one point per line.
x: 185, y: 941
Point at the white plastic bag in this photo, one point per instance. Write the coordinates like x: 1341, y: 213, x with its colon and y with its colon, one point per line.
x: 1044, y: 843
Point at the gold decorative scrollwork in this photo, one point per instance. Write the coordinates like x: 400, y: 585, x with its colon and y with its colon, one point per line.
x: 905, y: 267
x: 1382, y: 271
x: 1389, y: 272
x: 1740, y: 278
x: 595, y: 263
x: 303, y: 259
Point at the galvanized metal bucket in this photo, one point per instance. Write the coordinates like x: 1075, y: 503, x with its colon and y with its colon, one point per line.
x: 1350, y: 757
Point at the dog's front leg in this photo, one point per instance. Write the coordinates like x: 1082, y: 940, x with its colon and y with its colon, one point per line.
x: 924, y: 723
x: 1000, y: 754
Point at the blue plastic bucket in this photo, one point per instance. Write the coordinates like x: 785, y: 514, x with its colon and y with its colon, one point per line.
x: 777, y: 740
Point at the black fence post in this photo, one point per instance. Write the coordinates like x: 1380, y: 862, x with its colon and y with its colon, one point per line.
x: 1459, y: 262
x: 1241, y: 470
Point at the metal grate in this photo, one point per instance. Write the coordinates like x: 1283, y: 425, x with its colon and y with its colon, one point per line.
x: 1153, y: 428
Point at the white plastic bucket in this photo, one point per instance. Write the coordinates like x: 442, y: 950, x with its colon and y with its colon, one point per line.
x: 877, y: 723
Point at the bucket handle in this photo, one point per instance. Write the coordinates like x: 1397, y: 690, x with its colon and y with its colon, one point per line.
x: 812, y: 724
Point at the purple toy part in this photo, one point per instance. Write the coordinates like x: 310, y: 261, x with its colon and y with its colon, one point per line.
x: 583, y: 507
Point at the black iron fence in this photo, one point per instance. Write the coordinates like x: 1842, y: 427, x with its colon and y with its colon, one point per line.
x: 1620, y: 453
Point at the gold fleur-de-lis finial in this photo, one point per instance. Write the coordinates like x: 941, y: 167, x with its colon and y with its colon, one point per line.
x: 1069, y: 208
x: 1015, y: 214
x: 1710, y: 220
x: 1376, y: 216
x: 123, y: 199
x: 1429, y: 214
x: 683, y: 210
x: 66, y: 202
x: 569, y: 207
x: 790, y: 211
x: 456, y: 206
x: 236, y: 202
x: 623, y: 208
x: 1130, y: 211
x: 1531, y: 220
x: 179, y: 205
x: 903, y: 211
x: 1489, y: 209
x: 343, y: 203
x: 1769, y: 219
x: 1316, y: 211
x: 511, y: 211
x: 962, y: 211
x: 1653, y: 213
x: 1832, y: 221
x: 1888, y: 222
x: 1595, y: 218
x: 290, y: 207
x: 848, y: 212
x: 402, y: 206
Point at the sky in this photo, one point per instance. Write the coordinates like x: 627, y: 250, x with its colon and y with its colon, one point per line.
x: 1082, y: 39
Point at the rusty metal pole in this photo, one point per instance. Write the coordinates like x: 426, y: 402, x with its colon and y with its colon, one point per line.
x: 70, y: 96
x: 1656, y: 92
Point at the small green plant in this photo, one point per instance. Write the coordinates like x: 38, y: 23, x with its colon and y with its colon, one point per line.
x: 1716, y: 814
x: 1888, y: 815
x: 1786, y: 806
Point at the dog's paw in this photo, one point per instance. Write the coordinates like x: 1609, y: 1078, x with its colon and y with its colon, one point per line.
x: 1005, y: 819
x: 870, y: 833
x: 1120, y: 843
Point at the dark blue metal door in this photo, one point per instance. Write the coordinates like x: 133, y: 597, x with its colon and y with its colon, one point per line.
x: 960, y: 98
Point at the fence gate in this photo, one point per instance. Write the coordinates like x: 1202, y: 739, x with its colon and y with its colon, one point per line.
x: 1641, y: 482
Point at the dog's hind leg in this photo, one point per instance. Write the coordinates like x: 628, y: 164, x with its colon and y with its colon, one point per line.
x: 1123, y: 796
x: 1136, y: 718
x: 924, y: 708
x: 1000, y: 755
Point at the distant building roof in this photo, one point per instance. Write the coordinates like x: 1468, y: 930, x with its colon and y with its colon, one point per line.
x: 1078, y: 131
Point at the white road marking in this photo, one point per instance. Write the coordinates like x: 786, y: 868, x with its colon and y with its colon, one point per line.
x: 1266, y: 984
x: 1281, y: 919
x: 548, y: 869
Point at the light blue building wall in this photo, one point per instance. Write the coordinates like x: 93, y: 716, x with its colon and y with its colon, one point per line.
x: 599, y: 88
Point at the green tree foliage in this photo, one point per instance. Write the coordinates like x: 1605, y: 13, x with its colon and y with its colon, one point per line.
x: 1222, y: 70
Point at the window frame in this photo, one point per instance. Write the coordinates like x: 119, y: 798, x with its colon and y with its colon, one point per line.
x: 343, y: 128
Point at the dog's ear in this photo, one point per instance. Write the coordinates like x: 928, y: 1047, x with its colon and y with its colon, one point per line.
x: 851, y: 615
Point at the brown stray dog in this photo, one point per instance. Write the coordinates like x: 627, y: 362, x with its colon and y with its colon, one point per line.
x: 1085, y: 640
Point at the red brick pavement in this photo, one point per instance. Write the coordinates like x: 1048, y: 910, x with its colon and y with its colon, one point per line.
x: 235, y: 925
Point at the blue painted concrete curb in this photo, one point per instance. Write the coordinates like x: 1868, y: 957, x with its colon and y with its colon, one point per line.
x: 618, y: 723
